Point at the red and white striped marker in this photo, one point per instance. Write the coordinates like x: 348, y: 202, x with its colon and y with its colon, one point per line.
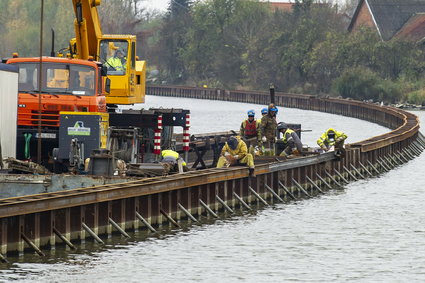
x: 186, y: 134
x: 157, y: 137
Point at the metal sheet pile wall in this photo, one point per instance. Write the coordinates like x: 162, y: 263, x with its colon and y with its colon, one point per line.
x: 44, y: 220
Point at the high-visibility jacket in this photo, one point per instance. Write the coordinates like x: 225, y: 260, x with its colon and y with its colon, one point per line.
x: 241, y: 150
x: 291, y: 138
x: 325, y: 141
x: 250, y: 129
x: 168, y: 153
x: 116, y: 63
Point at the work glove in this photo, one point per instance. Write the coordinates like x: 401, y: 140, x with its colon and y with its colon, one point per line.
x: 323, y: 147
x: 340, y: 139
x: 226, y: 154
x: 264, y: 139
x: 236, y: 156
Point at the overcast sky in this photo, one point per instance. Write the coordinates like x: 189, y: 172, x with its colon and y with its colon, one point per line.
x: 162, y: 5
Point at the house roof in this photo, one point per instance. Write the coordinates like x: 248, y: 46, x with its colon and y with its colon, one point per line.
x: 414, y: 29
x: 284, y: 6
x: 390, y: 15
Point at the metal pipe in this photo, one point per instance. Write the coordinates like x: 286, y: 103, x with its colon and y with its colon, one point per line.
x: 273, y: 192
x: 32, y: 245
x: 324, y: 181
x: 340, y: 175
x: 364, y: 168
x: 63, y: 238
x: 357, y: 171
x: 93, y: 234
x: 314, y: 184
x: 385, y: 163
x: 301, y: 187
x: 374, y: 168
x: 392, y: 157
x: 257, y: 195
x: 3, y: 259
x: 409, y: 155
x: 349, y: 173
x: 242, y: 201
x: 419, y: 146
x: 169, y: 218
x: 414, y: 149
x: 382, y: 165
x: 145, y: 222
x: 397, y: 156
x: 402, y: 157
x: 118, y: 228
x: 224, y: 204
x: 187, y: 213
x: 208, y: 209
x: 333, y: 179
x: 389, y: 161
x: 287, y: 190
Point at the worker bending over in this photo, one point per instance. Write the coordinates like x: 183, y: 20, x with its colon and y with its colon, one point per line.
x: 292, y: 143
x: 332, y: 138
x: 250, y: 130
x: 235, y: 152
x: 172, y: 159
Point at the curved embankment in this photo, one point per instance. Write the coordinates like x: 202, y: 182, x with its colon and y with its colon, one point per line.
x: 38, y: 221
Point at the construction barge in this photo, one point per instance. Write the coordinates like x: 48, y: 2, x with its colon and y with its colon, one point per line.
x: 65, y: 217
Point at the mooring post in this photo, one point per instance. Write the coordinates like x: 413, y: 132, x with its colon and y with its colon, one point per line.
x: 208, y: 209
x: 32, y: 245
x: 187, y: 213
x: 257, y: 195
x: 121, y: 230
x: 357, y: 171
x: 169, y: 218
x: 63, y: 238
x: 324, y: 181
x: 349, y: 173
x: 332, y: 178
x: 314, y: 184
x: 287, y: 190
x: 242, y: 201
x: 224, y: 204
x: 273, y: 193
x: 144, y: 221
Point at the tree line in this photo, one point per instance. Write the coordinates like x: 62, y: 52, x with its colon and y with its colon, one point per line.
x: 242, y: 44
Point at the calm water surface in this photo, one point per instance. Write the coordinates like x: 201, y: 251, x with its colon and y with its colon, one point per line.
x: 371, y: 231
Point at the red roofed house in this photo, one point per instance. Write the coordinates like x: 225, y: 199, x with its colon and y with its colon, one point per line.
x: 391, y: 18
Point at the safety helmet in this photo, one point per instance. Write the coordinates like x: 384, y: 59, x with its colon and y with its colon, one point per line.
x: 282, y: 126
x: 233, y: 143
x: 265, y: 110
x: 251, y: 113
x: 273, y: 108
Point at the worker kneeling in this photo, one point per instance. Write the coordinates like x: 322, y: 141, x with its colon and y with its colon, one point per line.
x: 332, y: 139
x: 291, y: 142
x: 235, y: 152
x: 172, y: 159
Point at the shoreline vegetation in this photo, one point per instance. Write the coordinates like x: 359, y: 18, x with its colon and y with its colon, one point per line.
x: 239, y: 44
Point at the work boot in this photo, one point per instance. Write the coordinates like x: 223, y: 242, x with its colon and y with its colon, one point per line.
x: 251, y: 172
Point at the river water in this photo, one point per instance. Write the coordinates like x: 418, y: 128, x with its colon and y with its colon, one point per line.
x: 372, y: 230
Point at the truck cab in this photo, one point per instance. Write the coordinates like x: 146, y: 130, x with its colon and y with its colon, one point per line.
x: 71, y: 85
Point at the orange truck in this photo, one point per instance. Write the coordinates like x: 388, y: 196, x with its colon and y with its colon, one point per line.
x: 70, y: 85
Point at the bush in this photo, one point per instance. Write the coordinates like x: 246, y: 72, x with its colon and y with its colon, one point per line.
x: 358, y: 83
x: 416, y: 97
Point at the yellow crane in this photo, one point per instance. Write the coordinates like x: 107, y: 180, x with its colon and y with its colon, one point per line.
x: 116, y: 51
